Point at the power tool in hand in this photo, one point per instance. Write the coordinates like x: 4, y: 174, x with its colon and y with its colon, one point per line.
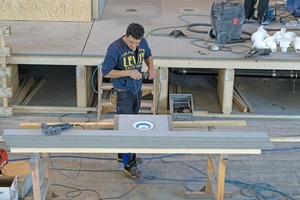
x: 55, y: 129
x: 145, y: 75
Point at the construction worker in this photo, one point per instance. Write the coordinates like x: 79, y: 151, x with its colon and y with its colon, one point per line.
x: 262, y: 11
x: 123, y: 64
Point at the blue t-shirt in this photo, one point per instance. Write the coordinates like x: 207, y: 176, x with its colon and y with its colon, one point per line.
x: 120, y: 57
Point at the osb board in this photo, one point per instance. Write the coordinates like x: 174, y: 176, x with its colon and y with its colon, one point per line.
x: 46, y: 10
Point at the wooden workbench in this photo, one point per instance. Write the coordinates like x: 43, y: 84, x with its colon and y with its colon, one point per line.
x: 157, y: 142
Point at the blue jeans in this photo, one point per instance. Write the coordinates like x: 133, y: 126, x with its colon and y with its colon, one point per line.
x: 128, y: 103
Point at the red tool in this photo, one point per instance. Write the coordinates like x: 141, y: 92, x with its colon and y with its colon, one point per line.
x: 3, y: 157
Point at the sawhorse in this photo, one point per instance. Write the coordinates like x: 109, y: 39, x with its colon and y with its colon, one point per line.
x: 215, y: 180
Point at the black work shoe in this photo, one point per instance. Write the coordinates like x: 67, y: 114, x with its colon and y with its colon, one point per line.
x: 138, y: 160
x: 133, y: 172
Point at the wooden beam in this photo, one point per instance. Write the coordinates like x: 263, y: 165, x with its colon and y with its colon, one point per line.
x: 239, y: 102
x: 225, y: 89
x: 14, y: 98
x: 81, y: 88
x: 250, y: 108
x: 33, y: 92
x: 51, y: 109
x: 163, y: 77
x: 109, y: 123
x: 24, y: 92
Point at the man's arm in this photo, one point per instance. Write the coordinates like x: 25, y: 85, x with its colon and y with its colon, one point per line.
x: 134, y: 74
x: 151, y: 69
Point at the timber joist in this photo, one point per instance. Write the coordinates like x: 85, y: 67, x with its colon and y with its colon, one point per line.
x: 5, y: 73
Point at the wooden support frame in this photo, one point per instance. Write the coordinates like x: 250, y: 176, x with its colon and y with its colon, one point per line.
x: 225, y: 89
x: 215, y: 180
x: 40, y: 171
x: 4, y: 53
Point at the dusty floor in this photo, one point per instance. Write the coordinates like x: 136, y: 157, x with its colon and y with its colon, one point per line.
x: 170, y: 176
x: 100, y: 176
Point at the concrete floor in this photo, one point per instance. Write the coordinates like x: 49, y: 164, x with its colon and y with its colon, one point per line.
x: 170, y: 176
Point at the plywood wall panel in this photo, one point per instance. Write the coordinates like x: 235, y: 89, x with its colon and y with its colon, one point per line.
x: 46, y: 10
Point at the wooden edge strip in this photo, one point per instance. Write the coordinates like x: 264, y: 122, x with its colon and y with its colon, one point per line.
x: 110, y: 124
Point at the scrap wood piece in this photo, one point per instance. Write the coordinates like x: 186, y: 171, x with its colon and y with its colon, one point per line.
x: 13, y: 99
x: 250, y: 108
x: 33, y: 92
x: 26, y: 88
x: 239, y: 102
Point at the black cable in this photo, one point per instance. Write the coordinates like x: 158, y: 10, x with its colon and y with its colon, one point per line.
x: 78, y: 190
x: 189, y: 27
x: 78, y: 171
x: 70, y: 114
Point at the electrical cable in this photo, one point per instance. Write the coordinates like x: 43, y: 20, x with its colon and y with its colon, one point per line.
x: 257, y: 189
x: 93, y: 76
x: 76, y: 189
x: 159, y: 94
x: 78, y: 171
x: 71, y: 114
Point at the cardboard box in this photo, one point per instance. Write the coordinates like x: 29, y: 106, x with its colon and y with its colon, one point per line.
x: 8, y: 188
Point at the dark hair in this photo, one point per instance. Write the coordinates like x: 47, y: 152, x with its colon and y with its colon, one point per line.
x: 135, y: 30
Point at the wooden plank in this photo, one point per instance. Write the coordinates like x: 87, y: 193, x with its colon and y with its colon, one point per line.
x: 250, y: 108
x: 81, y: 87
x: 221, y: 177
x: 51, y: 109
x: 24, y: 92
x: 36, y: 179
x: 14, y: 98
x: 110, y: 141
x: 33, y: 92
x: 239, y: 102
x: 163, y: 78
x: 225, y: 89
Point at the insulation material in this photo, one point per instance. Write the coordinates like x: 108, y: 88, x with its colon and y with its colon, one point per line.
x: 46, y: 10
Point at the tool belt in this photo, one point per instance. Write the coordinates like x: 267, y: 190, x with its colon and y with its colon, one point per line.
x: 114, y: 95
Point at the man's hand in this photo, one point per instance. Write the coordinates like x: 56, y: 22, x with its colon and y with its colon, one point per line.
x: 135, y: 74
x: 152, y: 73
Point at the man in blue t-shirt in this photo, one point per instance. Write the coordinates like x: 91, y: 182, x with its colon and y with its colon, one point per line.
x: 123, y: 64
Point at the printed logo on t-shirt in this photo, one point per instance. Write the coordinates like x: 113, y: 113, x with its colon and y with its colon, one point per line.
x: 132, y: 62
